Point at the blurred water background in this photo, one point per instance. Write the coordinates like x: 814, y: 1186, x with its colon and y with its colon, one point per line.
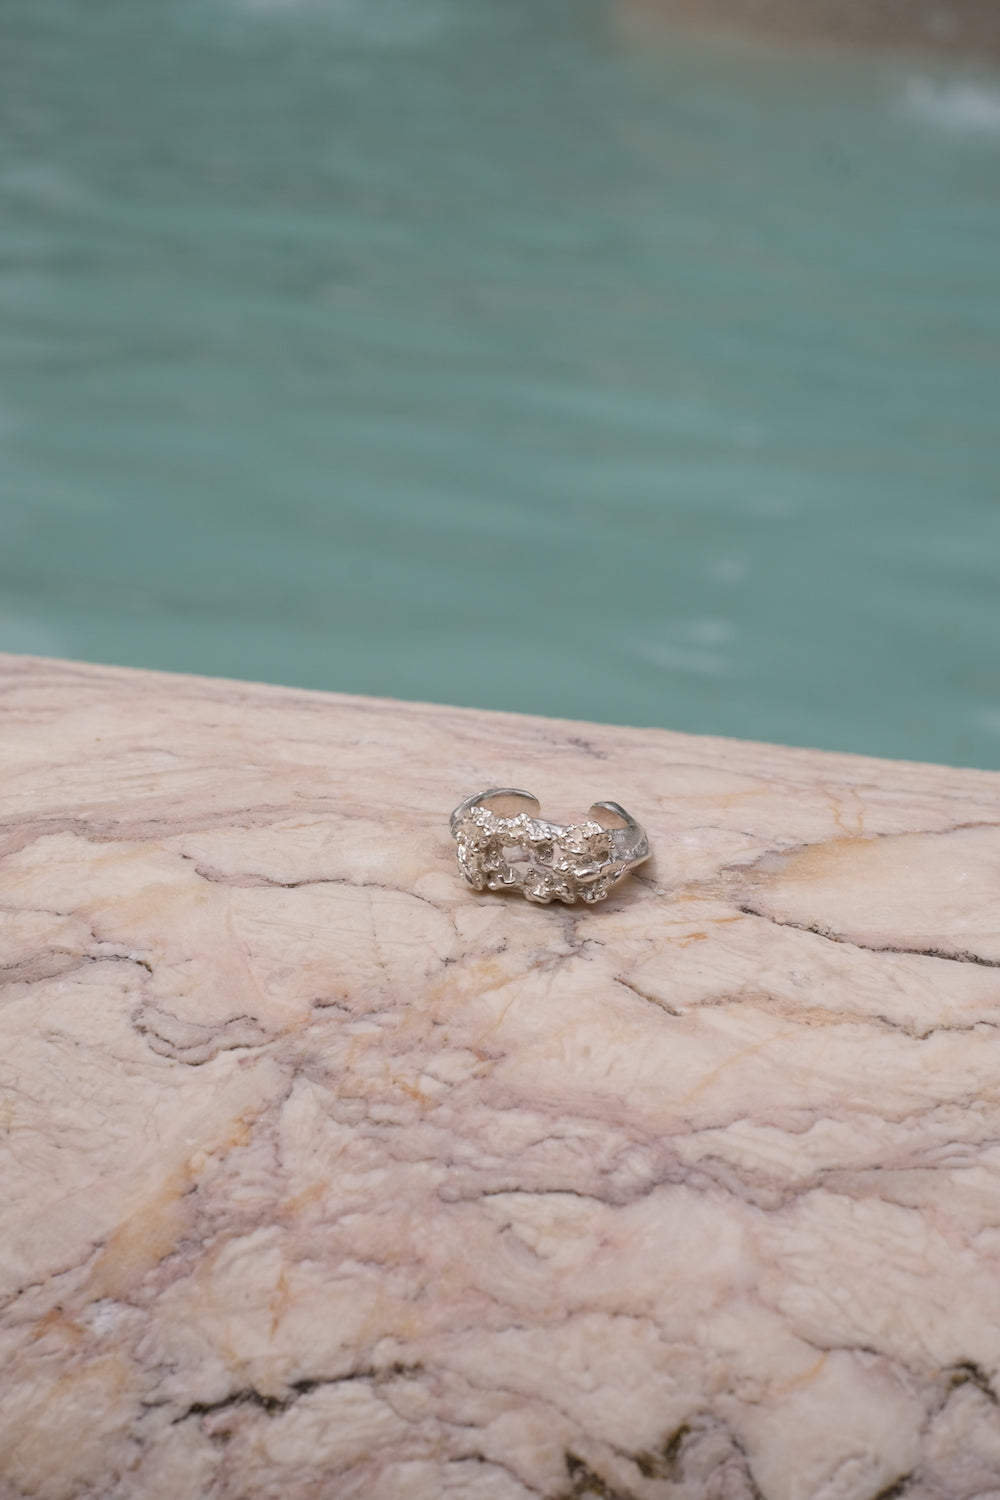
x: 507, y: 353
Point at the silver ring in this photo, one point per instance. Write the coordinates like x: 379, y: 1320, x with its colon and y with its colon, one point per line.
x: 504, y: 845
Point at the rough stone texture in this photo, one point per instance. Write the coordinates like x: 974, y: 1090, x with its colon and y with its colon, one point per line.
x: 326, y: 1176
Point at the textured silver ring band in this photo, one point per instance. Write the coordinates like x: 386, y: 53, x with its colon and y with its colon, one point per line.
x: 504, y: 845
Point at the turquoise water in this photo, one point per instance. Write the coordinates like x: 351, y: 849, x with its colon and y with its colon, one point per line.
x: 500, y: 352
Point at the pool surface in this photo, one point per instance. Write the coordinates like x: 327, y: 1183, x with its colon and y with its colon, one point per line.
x: 507, y: 353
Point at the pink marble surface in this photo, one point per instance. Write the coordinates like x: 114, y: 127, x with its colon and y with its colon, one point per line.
x: 326, y: 1176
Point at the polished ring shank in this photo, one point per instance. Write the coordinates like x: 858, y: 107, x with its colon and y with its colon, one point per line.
x: 504, y: 845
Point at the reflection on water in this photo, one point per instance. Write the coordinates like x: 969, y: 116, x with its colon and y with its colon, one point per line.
x: 468, y: 350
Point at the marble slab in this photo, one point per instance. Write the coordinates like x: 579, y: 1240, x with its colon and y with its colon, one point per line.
x: 325, y: 1176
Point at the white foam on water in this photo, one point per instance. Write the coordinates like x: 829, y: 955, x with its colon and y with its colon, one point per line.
x: 694, y: 647
x: 961, y: 107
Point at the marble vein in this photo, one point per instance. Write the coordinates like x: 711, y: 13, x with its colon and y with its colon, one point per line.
x: 327, y: 1177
